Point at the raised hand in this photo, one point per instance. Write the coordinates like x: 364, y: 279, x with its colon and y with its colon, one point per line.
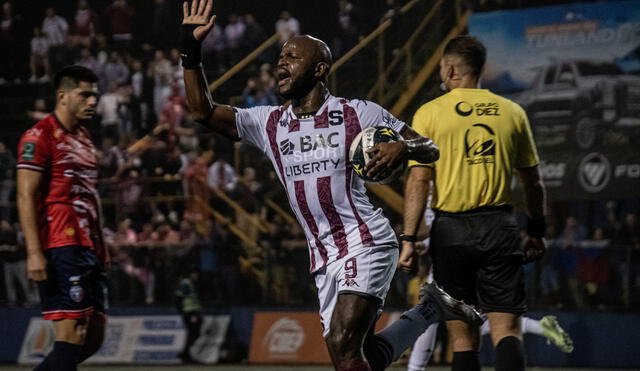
x: 199, y: 13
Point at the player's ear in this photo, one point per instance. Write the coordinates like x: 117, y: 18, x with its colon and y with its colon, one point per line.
x: 61, y: 94
x: 322, y: 69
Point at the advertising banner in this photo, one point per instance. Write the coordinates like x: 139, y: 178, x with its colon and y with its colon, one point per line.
x: 294, y: 337
x: 575, y: 69
x: 135, y: 339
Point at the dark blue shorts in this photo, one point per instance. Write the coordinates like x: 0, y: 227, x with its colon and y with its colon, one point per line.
x: 76, y: 285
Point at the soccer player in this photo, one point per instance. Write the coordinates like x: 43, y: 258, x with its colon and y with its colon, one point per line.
x: 60, y: 215
x: 477, y: 249
x: 352, y: 247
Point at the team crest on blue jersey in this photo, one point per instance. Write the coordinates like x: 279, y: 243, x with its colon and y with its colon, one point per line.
x: 76, y: 293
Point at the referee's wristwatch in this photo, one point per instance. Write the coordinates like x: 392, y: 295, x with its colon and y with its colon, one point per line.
x: 407, y: 237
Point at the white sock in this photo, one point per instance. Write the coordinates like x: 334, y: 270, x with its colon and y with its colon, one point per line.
x: 530, y: 326
x: 403, y: 332
x: 485, y: 329
x: 423, y: 349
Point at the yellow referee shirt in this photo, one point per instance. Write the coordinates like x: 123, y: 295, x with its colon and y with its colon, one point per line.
x: 482, y: 137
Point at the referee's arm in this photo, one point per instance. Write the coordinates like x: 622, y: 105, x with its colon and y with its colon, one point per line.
x: 534, y: 200
x: 534, y: 191
x: 415, y: 199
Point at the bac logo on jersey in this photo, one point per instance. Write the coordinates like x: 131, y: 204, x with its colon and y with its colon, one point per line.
x: 479, y: 144
x: 28, y: 151
x: 286, y: 147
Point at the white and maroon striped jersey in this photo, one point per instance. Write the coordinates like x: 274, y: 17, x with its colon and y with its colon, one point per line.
x: 311, y: 157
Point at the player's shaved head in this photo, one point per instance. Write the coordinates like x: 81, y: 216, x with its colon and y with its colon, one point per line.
x: 68, y: 78
x: 317, y: 50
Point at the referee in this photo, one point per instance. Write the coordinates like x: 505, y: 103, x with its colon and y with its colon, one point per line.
x: 477, y: 250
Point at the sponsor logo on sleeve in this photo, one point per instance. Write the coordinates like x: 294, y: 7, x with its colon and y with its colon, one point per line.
x: 28, y: 151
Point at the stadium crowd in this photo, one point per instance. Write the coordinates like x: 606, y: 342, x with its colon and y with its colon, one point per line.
x: 182, y: 199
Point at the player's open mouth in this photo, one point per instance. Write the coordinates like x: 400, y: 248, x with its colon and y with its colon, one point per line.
x: 283, y: 77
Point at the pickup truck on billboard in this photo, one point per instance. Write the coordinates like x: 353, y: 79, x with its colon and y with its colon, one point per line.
x: 581, y: 99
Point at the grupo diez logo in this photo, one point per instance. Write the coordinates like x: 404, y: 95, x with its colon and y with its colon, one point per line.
x: 286, y: 147
x: 594, y: 172
x: 464, y: 108
x: 479, y: 144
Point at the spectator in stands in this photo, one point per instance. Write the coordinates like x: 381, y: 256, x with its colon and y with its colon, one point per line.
x: 629, y: 233
x: 570, y: 238
x: 146, y: 235
x: 177, y: 71
x: 125, y: 235
x: 197, y: 190
x: 14, y: 266
x: 593, y: 267
x: 122, y: 16
x: 162, y: 14
x: 162, y: 73
x: 85, y: 24
x: 188, y: 303
x: 254, y: 33
x: 234, y: 34
x: 287, y: 27
x: 221, y: 175
x: 350, y: 27
x: 551, y: 265
x: 39, y: 111
x: 115, y: 70
x: 7, y: 185
x: 255, y: 94
x: 130, y: 195
x: 213, y: 48
x: 89, y: 61
x: 9, y: 41
x: 108, y: 111
x: 55, y: 28
x: 39, y: 56
x: 111, y: 161
x: 165, y: 236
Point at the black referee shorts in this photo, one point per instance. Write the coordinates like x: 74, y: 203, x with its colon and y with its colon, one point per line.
x: 478, y: 258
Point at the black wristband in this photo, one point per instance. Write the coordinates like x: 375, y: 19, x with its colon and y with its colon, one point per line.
x: 536, y: 227
x: 190, y: 48
x: 407, y: 237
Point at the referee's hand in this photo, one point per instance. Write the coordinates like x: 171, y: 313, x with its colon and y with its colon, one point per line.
x: 406, y: 262
x: 534, y: 249
x: 36, y: 267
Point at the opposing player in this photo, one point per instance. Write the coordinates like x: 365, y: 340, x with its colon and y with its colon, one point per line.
x: 60, y: 216
x: 353, y: 249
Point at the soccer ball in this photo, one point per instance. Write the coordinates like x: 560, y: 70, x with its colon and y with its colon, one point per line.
x: 366, y: 139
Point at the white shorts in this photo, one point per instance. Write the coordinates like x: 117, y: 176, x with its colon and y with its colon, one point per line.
x: 366, y: 272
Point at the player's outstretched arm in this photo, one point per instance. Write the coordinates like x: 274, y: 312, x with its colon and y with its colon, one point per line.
x: 28, y: 183
x: 197, y: 21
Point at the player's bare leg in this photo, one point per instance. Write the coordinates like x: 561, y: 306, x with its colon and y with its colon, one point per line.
x: 352, y: 319
x: 465, y: 344
x: 507, y: 340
